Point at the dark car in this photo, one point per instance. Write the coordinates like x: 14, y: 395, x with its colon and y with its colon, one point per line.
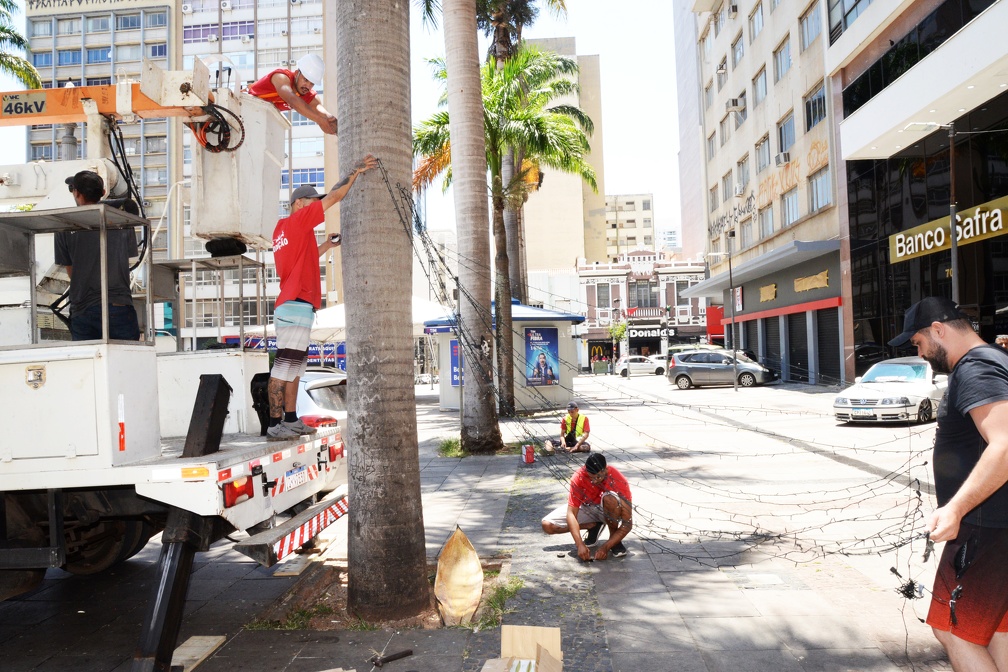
x: 716, y: 367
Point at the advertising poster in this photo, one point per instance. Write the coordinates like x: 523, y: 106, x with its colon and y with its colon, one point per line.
x: 457, y: 376
x: 542, y: 356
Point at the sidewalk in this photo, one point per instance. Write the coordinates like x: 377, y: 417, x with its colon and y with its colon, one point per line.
x: 723, y: 602
x: 762, y: 541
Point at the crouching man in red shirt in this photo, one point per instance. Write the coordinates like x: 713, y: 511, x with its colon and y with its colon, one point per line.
x: 599, y: 494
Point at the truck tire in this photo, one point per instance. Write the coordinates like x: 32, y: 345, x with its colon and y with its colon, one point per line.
x: 138, y: 533
x: 95, y: 548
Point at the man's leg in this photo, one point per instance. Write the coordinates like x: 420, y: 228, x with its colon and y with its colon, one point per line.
x: 966, y: 656
x: 998, y: 649
x: 290, y: 395
x: 276, y: 392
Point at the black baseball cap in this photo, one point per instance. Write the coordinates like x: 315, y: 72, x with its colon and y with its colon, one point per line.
x: 305, y: 191
x: 88, y: 183
x: 923, y: 313
x: 571, y: 406
x: 595, y: 463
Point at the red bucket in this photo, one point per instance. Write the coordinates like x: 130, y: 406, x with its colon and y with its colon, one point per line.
x: 528, y: 453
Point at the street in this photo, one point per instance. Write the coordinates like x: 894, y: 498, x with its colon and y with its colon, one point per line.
x: 766, y: 536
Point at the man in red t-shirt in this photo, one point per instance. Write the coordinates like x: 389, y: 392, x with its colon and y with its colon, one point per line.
x: 599, y: 494
x: 294, y: 90
x: 296, y: 254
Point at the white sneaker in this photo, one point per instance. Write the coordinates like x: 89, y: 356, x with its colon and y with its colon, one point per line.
x: 281, y: 432
x: 300, y: 427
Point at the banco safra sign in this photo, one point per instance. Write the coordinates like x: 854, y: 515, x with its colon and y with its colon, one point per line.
x: 979, y: 223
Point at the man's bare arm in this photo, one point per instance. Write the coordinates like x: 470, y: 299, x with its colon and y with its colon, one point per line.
x: 285, y: 89
x: 989, y: 474
x: 342, y: 188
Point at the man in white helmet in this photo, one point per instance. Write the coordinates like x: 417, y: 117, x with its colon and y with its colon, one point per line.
x: 289, y: 90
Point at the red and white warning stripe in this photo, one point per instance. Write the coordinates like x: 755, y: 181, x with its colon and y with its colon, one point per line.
x: 310, y: 529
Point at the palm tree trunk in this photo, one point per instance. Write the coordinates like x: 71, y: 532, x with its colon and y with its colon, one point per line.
x: 387, y: 560
x: 480, y: 429
x: 505, y: 341
x: 511, y: 228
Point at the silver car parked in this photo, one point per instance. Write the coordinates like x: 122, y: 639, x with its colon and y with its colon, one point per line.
x: 697, y: 368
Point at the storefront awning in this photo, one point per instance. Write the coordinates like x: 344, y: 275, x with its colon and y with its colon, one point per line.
x: 792, y: 254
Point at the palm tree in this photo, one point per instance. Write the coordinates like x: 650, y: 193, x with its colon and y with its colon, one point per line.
x: 480, y: 429
x: 504, y: 20
x: 517, y: 114
x: 386, y: 548
x: 11, y: 40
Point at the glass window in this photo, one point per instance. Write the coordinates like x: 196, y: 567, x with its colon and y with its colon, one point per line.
x: 719, y: 20
x: 759, y: 87
x: 157, y: 144
x: 307, y: 147
x: 725, y: 129
x: 680, y: 287
x: 746, y: 233
x: 99, y: 55
x: 97, y: 24
x: 128, y: 52
x: 68, y: 57
x: 789, y: 205
x: 157, y: 19
x: 766, y: 222
x: 41, y: 28
x: 785, y: 133
x: 42, y: 59
x: 234, y: 30
x: 722, y: 73
x: 643, y: 294
x: 815, y: 106
x: 741, y: 114
x: 198, y: 33
x: 98, y: 81
x: 811, y: 26
x: 301, y: 176
x: 820, y: 191
x: 128, y: 22
x: 708, y: 45
x: 41, y: 152
x: 737, y: 51
x: 742, y: 171
x: 157, y: 51
x: 756, y: 22
x: 712, y: 196
x: 602, y: 295
x: 782, y: 59
x: 68, y: 27
x: 711, y: 146
x: 762, y: 153
x: 645, y: 205
x: 708, y: 95
x: 726, y: 185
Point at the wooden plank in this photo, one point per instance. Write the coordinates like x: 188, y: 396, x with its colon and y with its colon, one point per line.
x: 195, y: 650
x: 522, y: 641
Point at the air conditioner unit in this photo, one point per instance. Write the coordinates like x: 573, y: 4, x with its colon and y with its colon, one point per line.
x: 317, y: 30
x: 225, y: 5
x: 284, y: 32
x: 246, y: 38
x: 318, y: 153
x: 212, y: 38
x: 187, y: 8
x: 294, y: 2
x: 782, y: 158
x: 740, y: 190
x: 732, y: 11
x: 735, y: 105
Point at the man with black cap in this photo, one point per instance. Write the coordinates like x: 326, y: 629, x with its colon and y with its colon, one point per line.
x: 969, y: 603
x: 599, y: 495
x: 296, y: 253
x: 574, y: 431
x: 79, y: 251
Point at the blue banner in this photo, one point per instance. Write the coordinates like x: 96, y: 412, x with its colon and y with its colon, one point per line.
x: 457, y: 373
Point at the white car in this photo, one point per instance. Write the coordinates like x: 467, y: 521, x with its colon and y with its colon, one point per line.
x: 321, y: 398
x: 640, y: 365
x: 904, y: 389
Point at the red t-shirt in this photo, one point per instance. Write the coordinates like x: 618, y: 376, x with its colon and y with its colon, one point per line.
x: 264, y: 89
x: 583, y: 491
x: 296, y: 255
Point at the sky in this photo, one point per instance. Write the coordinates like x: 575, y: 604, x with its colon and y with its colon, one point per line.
x: 637, y: 61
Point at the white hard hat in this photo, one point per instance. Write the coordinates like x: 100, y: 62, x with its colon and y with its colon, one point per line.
x: 312, y: 67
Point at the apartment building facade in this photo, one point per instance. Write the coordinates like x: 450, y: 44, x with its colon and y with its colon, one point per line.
x: 629, y: 224
x: 902, y: 74
x: 772, y: 226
